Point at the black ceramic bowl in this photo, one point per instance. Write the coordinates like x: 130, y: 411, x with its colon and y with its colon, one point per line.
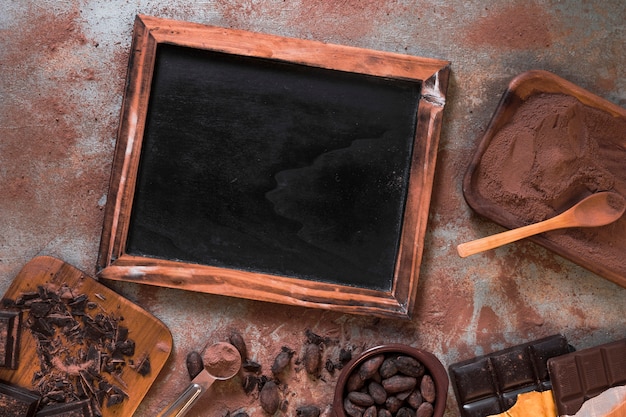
x: 432, y: 365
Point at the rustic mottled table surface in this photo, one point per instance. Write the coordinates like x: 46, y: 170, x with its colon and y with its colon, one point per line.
x: 62, y: 72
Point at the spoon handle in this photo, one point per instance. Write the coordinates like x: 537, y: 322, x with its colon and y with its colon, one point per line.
x: 200, y: 384
x: 184, y: 402
x: 500, y: 239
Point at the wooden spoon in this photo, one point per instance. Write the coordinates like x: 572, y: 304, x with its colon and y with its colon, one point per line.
x: 596, y: 210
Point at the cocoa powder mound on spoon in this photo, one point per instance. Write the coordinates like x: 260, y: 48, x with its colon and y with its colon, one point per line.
x: 221, y: 360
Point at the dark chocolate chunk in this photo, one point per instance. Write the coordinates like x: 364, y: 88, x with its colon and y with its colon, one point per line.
x: 126, y: 347
x: 122, y: 334
x: 143, y: 367
x: 42, y: 327
x: 490, y: 384
x: 79, y: 303
x: 24, y: 299
x: 115, y: 399
x: 40, y: 308
x: 579, y: 376
x: 17, y: 402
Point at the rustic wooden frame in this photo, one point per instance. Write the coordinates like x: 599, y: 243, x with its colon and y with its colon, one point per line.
x: 115, y: 264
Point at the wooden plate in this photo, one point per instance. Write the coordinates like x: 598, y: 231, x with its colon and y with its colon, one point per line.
x: 579, y: 246
x: 151, y: 336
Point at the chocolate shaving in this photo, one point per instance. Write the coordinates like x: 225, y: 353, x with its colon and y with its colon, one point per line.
x: 76, y: 349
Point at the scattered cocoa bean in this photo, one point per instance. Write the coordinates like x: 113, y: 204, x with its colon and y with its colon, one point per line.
x: 312, y: 358
x: 377, y: 392
x: 236, y: 339
x: 370, y: 367
x: 269, y: 397
x: 352, y: 409
x: 345, y: 356
x: 308, y: 411
x: 427, y: 387
x: 405, y: 412
x: 383, y: 412
x: 194, y: 364
x: 370, y: 412
x: 249, y: 383
x: 313, y: 338
x: 399, y: 383
x: 241, y: 414
x: 282, y: 360
x: 251, y: 366
x: 361, y: 398
x: 388, y: 368
x: 354, y: 382
x: 410, y: 366
x: 261, y: 380
x: 415, y: 399
x: 376, y: 377
x: 330, y: 366
x: 425, y: 410
x: 393, y: 404
x: 404, y: 394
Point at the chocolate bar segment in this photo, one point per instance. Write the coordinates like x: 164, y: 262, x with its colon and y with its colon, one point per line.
x: 10, y: 330
x: 17, y: 402
x: 83, y: 408
x: 579, y: 376
x: 490, y: 384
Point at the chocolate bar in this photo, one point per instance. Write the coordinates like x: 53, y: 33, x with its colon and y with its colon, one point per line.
x: 579, y: 376
x: 10, y: 329
x: 490, y: 384
x: 82, y: 408
x: 17, y: 402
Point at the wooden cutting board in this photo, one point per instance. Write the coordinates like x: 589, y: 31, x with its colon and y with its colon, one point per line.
x: 151, y: 336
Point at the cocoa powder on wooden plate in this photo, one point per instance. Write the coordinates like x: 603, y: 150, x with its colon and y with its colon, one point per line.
x: 553, y: 152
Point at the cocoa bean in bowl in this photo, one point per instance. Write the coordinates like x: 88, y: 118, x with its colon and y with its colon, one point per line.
x: 392, y: 380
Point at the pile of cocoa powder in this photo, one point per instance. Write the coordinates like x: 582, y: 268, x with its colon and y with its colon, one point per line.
x: 222, y: 360
x: 552, y: 153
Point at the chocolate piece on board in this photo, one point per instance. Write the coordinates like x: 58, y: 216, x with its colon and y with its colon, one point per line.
x: 82, y: 408
x: 579, y: 376
x: 490, y: 384
x: 10, y: 330
x: 17, y: 402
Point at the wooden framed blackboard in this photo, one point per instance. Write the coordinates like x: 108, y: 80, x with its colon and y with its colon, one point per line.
x: 273, y: 169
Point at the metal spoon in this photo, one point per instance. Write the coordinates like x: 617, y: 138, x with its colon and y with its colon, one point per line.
x: 221, y: 361
x: 598, y: 209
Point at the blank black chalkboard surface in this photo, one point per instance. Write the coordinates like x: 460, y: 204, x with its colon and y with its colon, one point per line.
x: 272, y: 168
